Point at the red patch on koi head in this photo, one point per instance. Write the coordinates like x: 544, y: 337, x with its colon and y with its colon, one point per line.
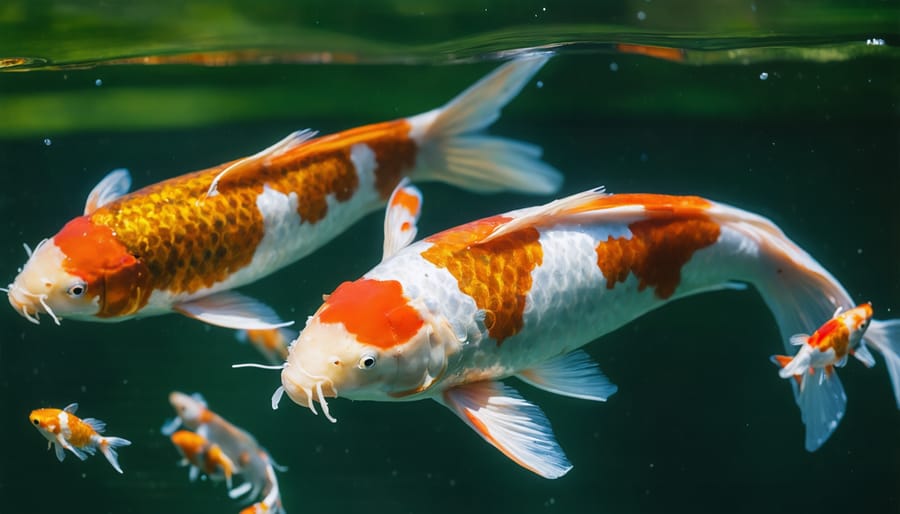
x: 375, y: 311
x: 94, y: 254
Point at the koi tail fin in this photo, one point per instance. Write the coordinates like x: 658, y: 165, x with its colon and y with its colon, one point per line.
x: 801, y: 295
x: 884, y: 336
x: 819, y: 395
x: 108, y: 446
x: 456, y: 151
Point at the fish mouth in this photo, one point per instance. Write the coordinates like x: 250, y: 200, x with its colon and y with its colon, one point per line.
x: 28, y: 304
x: 305, y: 389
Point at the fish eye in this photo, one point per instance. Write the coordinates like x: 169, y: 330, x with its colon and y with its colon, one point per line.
x: 35, y: 421
x: 77, y: 290
x: 367, y: 361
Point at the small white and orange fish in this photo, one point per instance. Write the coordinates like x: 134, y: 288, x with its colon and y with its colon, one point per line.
x: 183, y: 244
x: 203, y: 457
x: 66, y: 431
x: 250, y: 461
x: 448, y: 317
x: 828, y: 347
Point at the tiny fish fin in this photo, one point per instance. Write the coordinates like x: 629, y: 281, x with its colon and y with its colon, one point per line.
x: 799, y: 339
x: 510, y: 423
x: 454, y: 150
x: 240, y: 490
x: 232, y: 310
x: 60, y: 452
x: 61, y: 441
x: 401, y: 217
x: 822, y: 404
x: 97, y: 425
x: 239, y: 168
x: 115, y: 184
x: 170, y: 426
x: 863, y: 355
x: 884, y: 337
x: 798, y: 364
x: 574, y: 374
x: 71, y: 408
x: 108, y: 447
x: 193, y: 473
x: 783, y: 360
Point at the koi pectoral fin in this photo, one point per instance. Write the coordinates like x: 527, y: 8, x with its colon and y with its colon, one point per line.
x: 232, y: 310
x: 574, y: 374
x: 511, y: 424
x: 400, y: 218
x: 60, y: 453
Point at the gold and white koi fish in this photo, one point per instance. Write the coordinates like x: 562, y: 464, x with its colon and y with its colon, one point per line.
x: 448, y: 317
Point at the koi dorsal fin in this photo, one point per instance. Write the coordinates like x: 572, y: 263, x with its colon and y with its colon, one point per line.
x: 249, y: 164
x: 71, y: 408
x: 400, y: 218
x: 115, y: 184
x: 550, y: 213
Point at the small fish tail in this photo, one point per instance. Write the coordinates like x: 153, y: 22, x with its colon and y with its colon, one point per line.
x: 108, y: 446
x: 456, y: 151
x: 884, y: 336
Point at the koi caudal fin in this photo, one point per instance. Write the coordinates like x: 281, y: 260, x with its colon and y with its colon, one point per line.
x: 455, y: 150
x: 884, y: 336
x: 802, y: 295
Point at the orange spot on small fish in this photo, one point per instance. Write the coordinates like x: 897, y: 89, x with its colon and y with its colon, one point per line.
x: 375, y: 311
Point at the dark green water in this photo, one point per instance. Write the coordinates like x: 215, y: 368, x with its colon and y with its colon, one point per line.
x: 701, y: 422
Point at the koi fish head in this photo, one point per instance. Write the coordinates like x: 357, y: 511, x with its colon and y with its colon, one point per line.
x: 367, y: 342
x: 83, y: 272
x: 46, y: 421
x: 857, y: 321
x: 191, y: 410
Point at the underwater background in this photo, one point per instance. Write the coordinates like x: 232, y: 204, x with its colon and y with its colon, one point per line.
x: 787, y: 109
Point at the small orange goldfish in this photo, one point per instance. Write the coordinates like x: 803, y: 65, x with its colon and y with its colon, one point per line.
x: 203, y: 456
x: 66, y: 431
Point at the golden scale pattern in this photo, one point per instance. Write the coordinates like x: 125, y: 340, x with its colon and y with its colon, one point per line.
x: 496, y: 274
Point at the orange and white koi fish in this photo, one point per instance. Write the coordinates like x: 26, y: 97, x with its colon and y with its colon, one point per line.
x: 66, y: 431
x: 827, y: 348
x: 182, y: 244
x: 251, y: 462
x: 203, y: 457
x: 447, y: 318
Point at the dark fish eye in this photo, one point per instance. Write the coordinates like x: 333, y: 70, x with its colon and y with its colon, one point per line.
x: 35, y: 421
x: 77, y: 290
x: 367, y: 361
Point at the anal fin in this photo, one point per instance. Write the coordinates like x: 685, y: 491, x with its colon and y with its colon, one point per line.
x: 511, y: 424
x: 574, y: 374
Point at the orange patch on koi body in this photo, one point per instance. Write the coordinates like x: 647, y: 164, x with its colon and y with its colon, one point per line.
x: 656, y: 252
x: 495, y: 274
x: 375, y: 311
